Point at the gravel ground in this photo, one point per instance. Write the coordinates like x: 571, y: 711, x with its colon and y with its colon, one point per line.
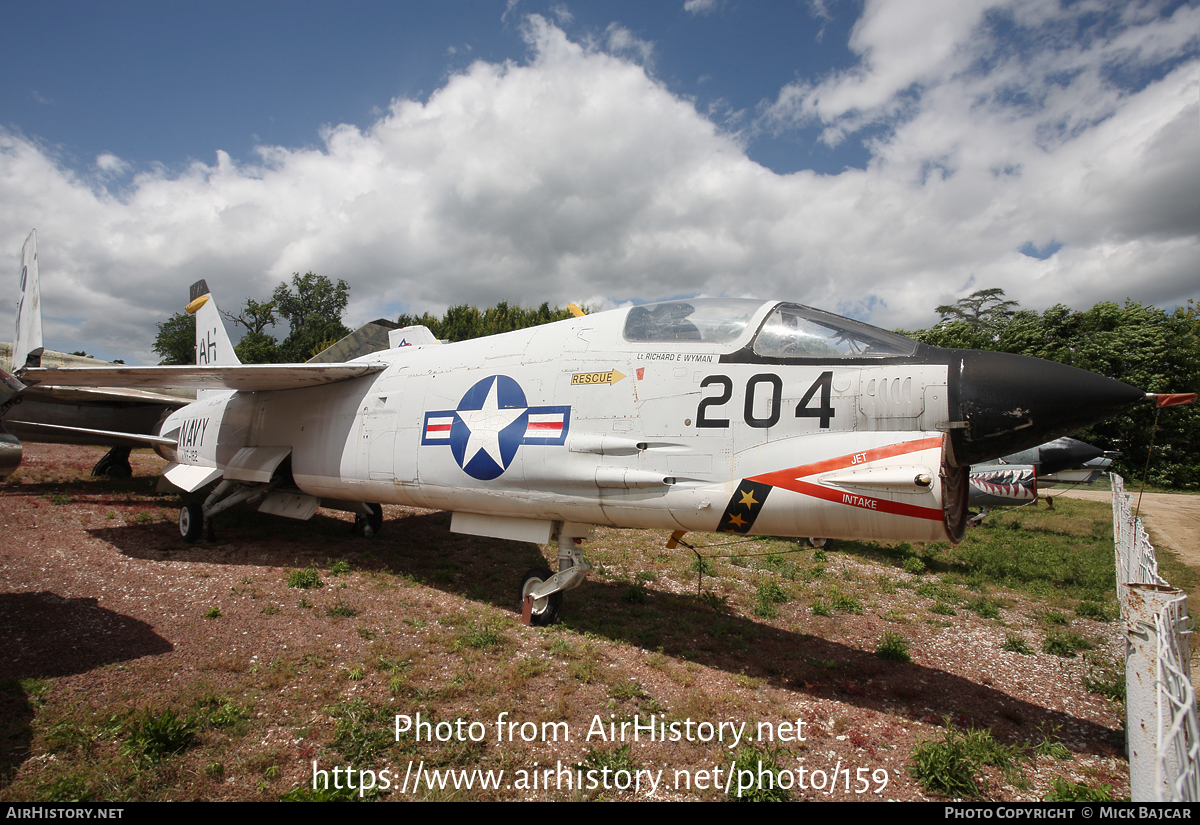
x: 105, y: 613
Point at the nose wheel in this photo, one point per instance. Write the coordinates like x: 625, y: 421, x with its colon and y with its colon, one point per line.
x: 543, y: 611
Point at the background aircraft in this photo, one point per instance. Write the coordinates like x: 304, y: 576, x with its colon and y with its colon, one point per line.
x: 1017, y: 479
x: 717, y: 415
x: 68, y: 415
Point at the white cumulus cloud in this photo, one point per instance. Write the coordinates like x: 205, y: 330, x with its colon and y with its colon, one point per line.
x: 575, y: 175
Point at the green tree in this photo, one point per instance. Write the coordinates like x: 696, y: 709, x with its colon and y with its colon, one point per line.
x: 313, y: 308
x: 176, y: 341
x: 464, y: 322
x: 256, y: 346
x: 1143, y: 346
x: 981, y: 309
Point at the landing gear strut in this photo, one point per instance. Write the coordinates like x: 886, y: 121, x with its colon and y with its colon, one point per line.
x: 542, y: 591
x: 194, y: 515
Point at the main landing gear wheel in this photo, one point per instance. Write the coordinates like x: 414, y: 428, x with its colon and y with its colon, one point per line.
x: 369, y: 525
x: 191, y: 521
x: 114, y: 464
x: 545, y: 610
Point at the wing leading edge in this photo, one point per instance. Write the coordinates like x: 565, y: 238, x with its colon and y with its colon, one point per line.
x: 245, y: 378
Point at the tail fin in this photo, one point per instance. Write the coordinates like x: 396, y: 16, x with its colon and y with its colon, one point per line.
x: 27, y: 345
x: 213, y: 347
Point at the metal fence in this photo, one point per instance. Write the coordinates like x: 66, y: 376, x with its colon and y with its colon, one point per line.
x: 1164, y: 738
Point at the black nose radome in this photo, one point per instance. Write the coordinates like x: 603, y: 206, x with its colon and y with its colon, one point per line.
x: 1013, y: 402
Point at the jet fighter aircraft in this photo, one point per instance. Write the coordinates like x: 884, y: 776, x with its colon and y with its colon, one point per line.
x: 50, y: 414
x: 718, y: 415
x: 1016, y: 479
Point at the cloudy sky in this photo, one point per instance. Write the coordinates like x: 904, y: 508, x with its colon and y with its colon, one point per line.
x: 875, y: 159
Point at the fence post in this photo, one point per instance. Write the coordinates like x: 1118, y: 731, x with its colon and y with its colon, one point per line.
x: 1152, y: 767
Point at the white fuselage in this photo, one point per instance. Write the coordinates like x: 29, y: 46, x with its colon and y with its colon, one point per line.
x: 572, y: 422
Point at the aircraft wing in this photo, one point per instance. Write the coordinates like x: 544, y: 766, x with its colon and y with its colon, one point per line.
x: 101, y: 436
x: 244, y: 377
x: 102, y: 395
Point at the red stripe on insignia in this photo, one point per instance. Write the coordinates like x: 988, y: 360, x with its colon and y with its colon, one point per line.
x: 438, y: 428
x: 545, y: 425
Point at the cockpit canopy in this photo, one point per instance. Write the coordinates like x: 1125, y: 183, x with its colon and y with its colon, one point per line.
x: 700, y: 320
x: 789, y: 331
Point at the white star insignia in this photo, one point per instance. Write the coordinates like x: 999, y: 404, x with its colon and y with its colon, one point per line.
x: 485, y: 426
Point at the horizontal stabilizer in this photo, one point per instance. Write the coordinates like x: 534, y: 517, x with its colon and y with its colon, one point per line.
x: 111, y: 437
x: 244, y: 377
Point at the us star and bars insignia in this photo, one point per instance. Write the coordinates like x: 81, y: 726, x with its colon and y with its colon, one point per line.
x: 489, y: 425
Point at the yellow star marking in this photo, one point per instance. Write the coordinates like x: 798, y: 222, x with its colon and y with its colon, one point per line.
x: 748, y: 498
x: 738, y: 520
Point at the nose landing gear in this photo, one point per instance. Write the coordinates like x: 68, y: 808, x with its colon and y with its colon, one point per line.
x: 542, y: 591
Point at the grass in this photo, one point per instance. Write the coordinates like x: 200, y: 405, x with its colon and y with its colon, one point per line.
x: 951, y: 766
x: 757, y: 776
x: 835, y: 600
x: 1063, y: 791
x: 1016, y: 644
x: 340, y: 610
x: 893, y: 647
x: 155, y: 735
x: 305, y: 579
x: 480, y: 637
x: 1065, y: 553
x: 341, y: 567
x: 362, y: 731
x: 636, y: 594
x: 768, y: 595
x: 1095, y: 610
x: 1065, y: 644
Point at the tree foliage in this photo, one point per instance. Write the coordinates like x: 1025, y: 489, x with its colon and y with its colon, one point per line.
x: 256, y: 346
x: 463, y: 322
x: 313, y: 308
x: 176, y: 341
x: 1143, y: 346
x: 981, y: 309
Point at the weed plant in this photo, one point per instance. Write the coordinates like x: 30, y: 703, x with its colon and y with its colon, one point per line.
x: 1016, y: 644
x: 305, y: 579
x: 636, y: 594
x: 1065, y: 644
x: 153, y: 736
x: 480, y: 637
x: 1064, y: 791
x: 893, y: 647
x: 759, y: 766
x: 951, y: 767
